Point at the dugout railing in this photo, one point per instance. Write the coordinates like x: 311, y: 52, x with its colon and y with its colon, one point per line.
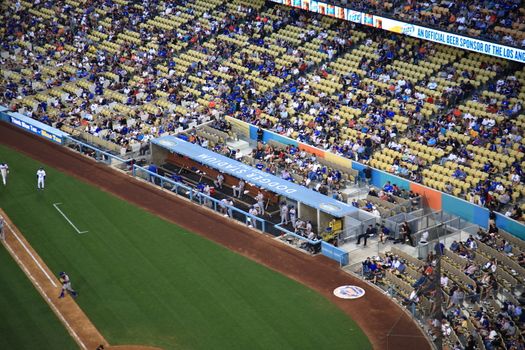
x: 195, y: 196
x: 96, y: 153
x: 303, y: 243
x: 314, y: 246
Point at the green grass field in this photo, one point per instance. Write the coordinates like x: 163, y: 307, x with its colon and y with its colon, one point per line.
x: 143, y: 280
x: 27, y: 322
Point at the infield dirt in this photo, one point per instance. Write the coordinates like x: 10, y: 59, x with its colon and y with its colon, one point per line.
x: 385, y: 323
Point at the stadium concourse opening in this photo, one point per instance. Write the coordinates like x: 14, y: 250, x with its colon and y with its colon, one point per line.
x: 187, y: 162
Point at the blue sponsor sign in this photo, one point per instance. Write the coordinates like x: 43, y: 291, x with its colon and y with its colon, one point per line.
x: 471, y: 44
x: 459, y: 41
x: 334, y: 253
x: 37, y: 127
x: 353, y: 16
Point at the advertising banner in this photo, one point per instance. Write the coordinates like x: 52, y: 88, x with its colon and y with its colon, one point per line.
x: 340, y: 12
x: 314, y: 6
x: 353, y: 16
x: 37, y: 127
x: 330, y: 10
x: 305, y: 5
x: 467, y: 43
x: 321, y: 8
x: 368, y: 20
x: 393, y: 25
x: 438, y: 36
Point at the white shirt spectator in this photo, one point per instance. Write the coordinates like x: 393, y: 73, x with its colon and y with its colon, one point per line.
x: 444, y: 281
x: 395, y: 264
x: 446, y: 329
x: 488, y: 122
x: 413, y: 297
x: 432, y: 85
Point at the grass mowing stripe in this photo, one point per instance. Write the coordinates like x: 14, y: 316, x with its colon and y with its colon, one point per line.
x: 143, y: 280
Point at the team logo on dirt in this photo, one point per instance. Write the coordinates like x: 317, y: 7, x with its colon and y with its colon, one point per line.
x: 349, y: 292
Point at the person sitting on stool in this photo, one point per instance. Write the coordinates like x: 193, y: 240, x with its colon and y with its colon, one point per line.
x: 308, y: 229
x: 220, y: 180
x: 369, y: 231
x: 384, y: 234
x: 238, y: 190
x: 300, y: 226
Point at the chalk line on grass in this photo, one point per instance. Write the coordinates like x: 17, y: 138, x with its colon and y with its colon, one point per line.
x: 41, y: 290
x: 30, y: 254
x: 65, y: 217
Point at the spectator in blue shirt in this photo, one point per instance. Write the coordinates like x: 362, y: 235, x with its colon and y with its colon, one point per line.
x: 459, y: 174
x: 153, y: 169
x: 384, y: 233
x: 365, y: 264
x: 402, y: 267
x: 507, y: 248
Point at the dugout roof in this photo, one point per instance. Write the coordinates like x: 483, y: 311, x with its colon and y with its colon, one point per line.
x: 254, y: 176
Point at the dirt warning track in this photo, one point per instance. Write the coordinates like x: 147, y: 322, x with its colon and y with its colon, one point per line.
x: 384, y: 322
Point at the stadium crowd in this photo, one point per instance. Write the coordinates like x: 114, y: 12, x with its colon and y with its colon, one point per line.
x: 127, y: 72
x: 476, y: 281
x: 498, y: 21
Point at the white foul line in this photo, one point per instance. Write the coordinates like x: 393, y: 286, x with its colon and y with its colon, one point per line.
x: 44, y: 295
x: 65, y: 217
x: 30, y: 254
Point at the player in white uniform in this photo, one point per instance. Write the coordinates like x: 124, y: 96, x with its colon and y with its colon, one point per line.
x: 293, y: 215
x: 251, y: 222
x: 40, y: 176
x: 224, y: 210
x: 66, y: 286
x: 260, y: 202
x: 230, y: 211
x: 284, y: 214
x: 220, y: 180
x: 239, y: 189
x: 4, y: 170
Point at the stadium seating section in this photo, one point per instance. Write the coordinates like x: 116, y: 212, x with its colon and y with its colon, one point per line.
x: 127, y: 71
x: 499, y: 21
x: 478, y: 276
x: 122, y: 72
